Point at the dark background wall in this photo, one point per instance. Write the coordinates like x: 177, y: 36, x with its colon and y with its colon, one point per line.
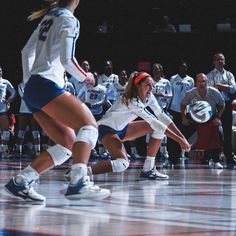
x: 130, y: 38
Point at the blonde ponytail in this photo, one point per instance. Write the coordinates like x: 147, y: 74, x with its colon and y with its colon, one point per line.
x: 37, y: 14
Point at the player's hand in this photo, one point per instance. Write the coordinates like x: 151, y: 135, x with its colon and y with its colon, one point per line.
x: 185, y: 145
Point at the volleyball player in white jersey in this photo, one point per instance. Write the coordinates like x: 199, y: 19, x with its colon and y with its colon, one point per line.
x: 119, y: 125
x: 163, y: 92
x: 79, y: 85
x: 181, y: 83
x: 66, y: 120
x: 108, y: 79
x: 25, y: 119
x: 5, y: 86
x: 162, y: 88
x: 95, y: 97
x: 120, y: 85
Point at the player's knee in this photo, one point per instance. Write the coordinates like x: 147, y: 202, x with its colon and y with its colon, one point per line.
x: 119, y: 165
x: 88, y: 134
x: 157, y: 135
x: 36, y: 134
x: 59, y: 154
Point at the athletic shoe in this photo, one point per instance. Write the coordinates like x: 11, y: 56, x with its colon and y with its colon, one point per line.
x: 23, y: 191
x: 216, y: 165
x: 153, y: 174
x: 85, y: 189
x: 94, y: 154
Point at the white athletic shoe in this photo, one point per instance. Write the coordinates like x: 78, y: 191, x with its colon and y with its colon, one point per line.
x: 85, y: 189
x: 23, y: 191
x: 216, y: 165
x: 153, y: 174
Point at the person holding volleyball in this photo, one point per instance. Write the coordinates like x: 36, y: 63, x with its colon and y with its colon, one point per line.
x: 207, y: 125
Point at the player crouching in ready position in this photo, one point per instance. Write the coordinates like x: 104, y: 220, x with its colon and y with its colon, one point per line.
x: 119, y: 125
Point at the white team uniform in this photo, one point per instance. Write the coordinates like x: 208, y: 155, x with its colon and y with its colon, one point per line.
x: 96, y: 97
x: 52, y: 55
x: 108, y: 83
x: 79, y: 88
x: 118, y: 89
x: 162, y: 86
x: 5, y: 86
x: 23, y: 106
x: 120, y: 115
x: 179, y: 88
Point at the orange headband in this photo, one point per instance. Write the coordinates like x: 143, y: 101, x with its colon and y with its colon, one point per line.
x: 140, y: 77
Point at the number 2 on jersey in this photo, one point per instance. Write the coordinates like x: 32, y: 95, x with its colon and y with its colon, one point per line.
x: 44, y: 28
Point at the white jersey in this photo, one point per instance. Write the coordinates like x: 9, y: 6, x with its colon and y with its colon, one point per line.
x: 51, y: 48
x: 23, y: 106
x: 108, y: 82
x: 179, y: 88
x: 118, y: 89
x: 69, y: 87
x: 120, y: 115
x: 96, y: 98
x: 5, y: 86
x: 79, y: 87
x: 162, y: 86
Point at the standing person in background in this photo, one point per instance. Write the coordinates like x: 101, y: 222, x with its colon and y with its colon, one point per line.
x: 120, y: 85
x: 205, y: 131
x: 5, y: 86
x: 224, y: 81
x: 78, y: 85
x: 25, y: 119
x: 108, y: 79
x: 163, y: 93
x: 66, y: 120
x: 180, y: 83
x: 69, y: 87
x: 119, y: 124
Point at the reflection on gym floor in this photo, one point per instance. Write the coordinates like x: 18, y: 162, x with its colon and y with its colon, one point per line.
x: 195, y: 200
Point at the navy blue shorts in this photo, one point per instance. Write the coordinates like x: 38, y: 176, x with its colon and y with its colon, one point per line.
x: 103, y: 130
x: 39, y: 92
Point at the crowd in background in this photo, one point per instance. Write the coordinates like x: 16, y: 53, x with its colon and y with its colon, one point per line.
x: 21, y: 135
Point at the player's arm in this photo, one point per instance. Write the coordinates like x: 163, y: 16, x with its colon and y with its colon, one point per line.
x: 12, y: 92
x: 28, y: 55
x: 21, y: 89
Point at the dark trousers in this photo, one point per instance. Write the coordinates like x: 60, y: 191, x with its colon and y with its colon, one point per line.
x: 227, y: 131
x: 173, y: 147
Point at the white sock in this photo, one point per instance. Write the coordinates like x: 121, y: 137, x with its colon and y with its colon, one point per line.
x: 78, y: 171
x: 28, y: 174
x: 149, y: 163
